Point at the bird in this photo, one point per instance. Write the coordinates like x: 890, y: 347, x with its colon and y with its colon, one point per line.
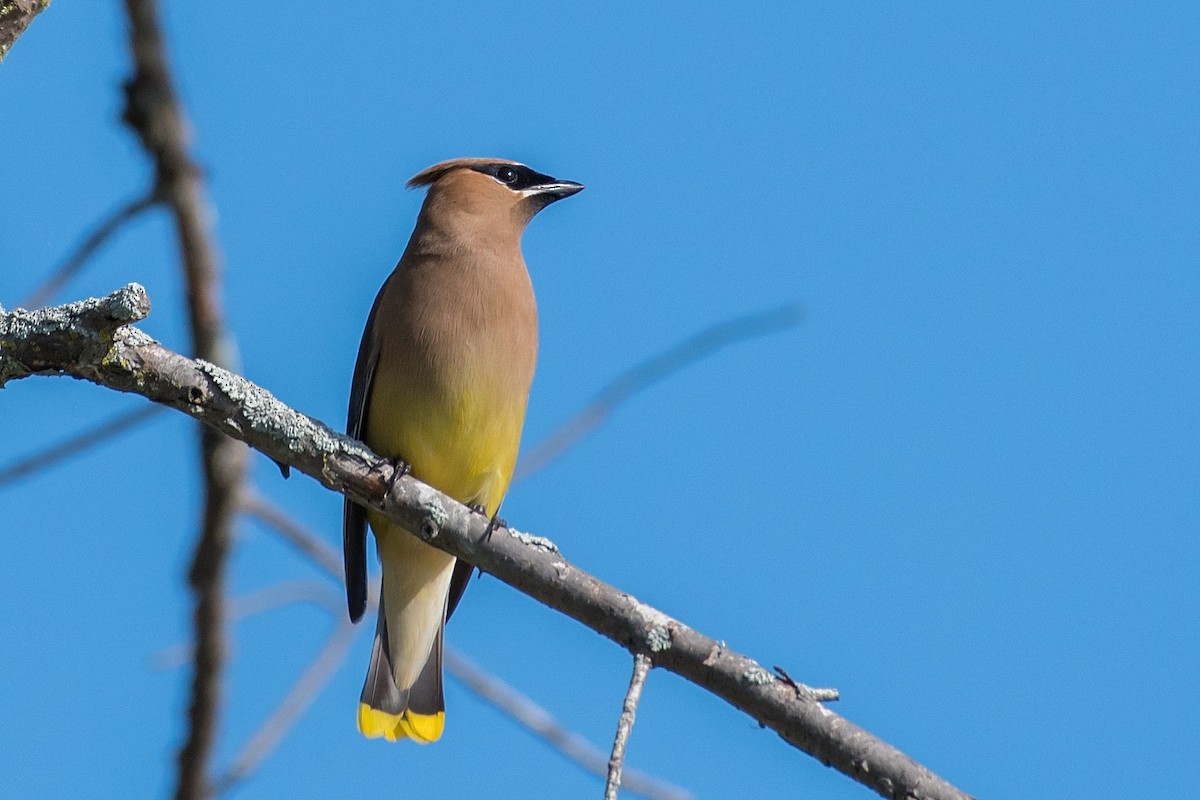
x: 441, y: 383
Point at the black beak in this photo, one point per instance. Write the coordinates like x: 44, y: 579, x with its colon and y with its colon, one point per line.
x: 557, y: 190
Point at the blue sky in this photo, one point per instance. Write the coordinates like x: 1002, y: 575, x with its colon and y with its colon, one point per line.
x: 963, y: 491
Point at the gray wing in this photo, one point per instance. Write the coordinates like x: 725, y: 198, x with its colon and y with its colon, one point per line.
x: 354, y: 516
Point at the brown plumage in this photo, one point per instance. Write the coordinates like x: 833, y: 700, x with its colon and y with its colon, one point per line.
x: 441, y: 382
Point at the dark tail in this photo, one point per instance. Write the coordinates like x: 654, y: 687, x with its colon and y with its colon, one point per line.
x: 384, y: 709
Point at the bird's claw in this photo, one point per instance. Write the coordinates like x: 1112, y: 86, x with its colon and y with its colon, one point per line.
x: 788, y: 680
x: 494, y: 522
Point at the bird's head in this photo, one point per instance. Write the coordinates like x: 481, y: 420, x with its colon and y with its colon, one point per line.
x: 493, y: 189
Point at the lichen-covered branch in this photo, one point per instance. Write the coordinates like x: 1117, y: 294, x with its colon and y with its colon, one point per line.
x: 87, y: 340
x: 15, y: 16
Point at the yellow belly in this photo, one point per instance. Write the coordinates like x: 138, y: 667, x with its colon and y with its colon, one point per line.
x: 465, y: 446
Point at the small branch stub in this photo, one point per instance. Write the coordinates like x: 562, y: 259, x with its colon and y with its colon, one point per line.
x: 76, y: 334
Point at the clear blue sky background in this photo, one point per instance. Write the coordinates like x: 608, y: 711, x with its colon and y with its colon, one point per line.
x: 964, y: 491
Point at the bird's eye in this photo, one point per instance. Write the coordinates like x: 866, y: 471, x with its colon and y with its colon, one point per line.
x: 506, y: 175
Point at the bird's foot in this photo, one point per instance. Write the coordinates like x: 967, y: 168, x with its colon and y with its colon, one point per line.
x: 494, y: 522
x: 789, y: 681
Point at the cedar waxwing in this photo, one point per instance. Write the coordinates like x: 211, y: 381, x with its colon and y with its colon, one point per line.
x: 441, y: 383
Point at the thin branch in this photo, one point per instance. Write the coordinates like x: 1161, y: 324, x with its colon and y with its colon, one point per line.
x: 78, y: 259
x: 87, y: 340
x: 310, y: 685
x: 284, y: 594
x: 650, y: 371
x: 641, y: 668
x: 155, y: 114
x: 259, y: 602
x: 80, y: 442
x: 301, y: 696
x: 528, y: 714
x: 15, y: 16
x: 304, y: 540
x: 521, y: 709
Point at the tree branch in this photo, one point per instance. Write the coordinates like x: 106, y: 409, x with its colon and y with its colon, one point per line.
x: 616, y: 762
x: 153, y: 110
x: 88, y: 247
x: 258, y: 507
x: 648, y: 372
x: 85, y: 340
x: 529, y: 715
x: 267, y: 738
x: 78, y: 443
x: 259, y: 602
x: 512, y: 703
x: 15, y: 16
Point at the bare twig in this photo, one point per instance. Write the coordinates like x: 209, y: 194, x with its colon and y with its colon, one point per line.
x: 79, y: 443
x: 283, y: 594
x: 650, y: 371
x: 304, y: 540
x: 86, y: 340
x: 301, y: 696
x: 259, y: 602
x: 525, y: 712
x: 641, y: 668
x: 76, y: 261
x: 67, y: 270
x: 268, y: 735
x: 15, y: 16
x: 488, y: 688
x: 156, y: 116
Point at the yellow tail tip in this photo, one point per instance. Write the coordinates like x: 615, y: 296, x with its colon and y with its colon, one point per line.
x: 421, y: 728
